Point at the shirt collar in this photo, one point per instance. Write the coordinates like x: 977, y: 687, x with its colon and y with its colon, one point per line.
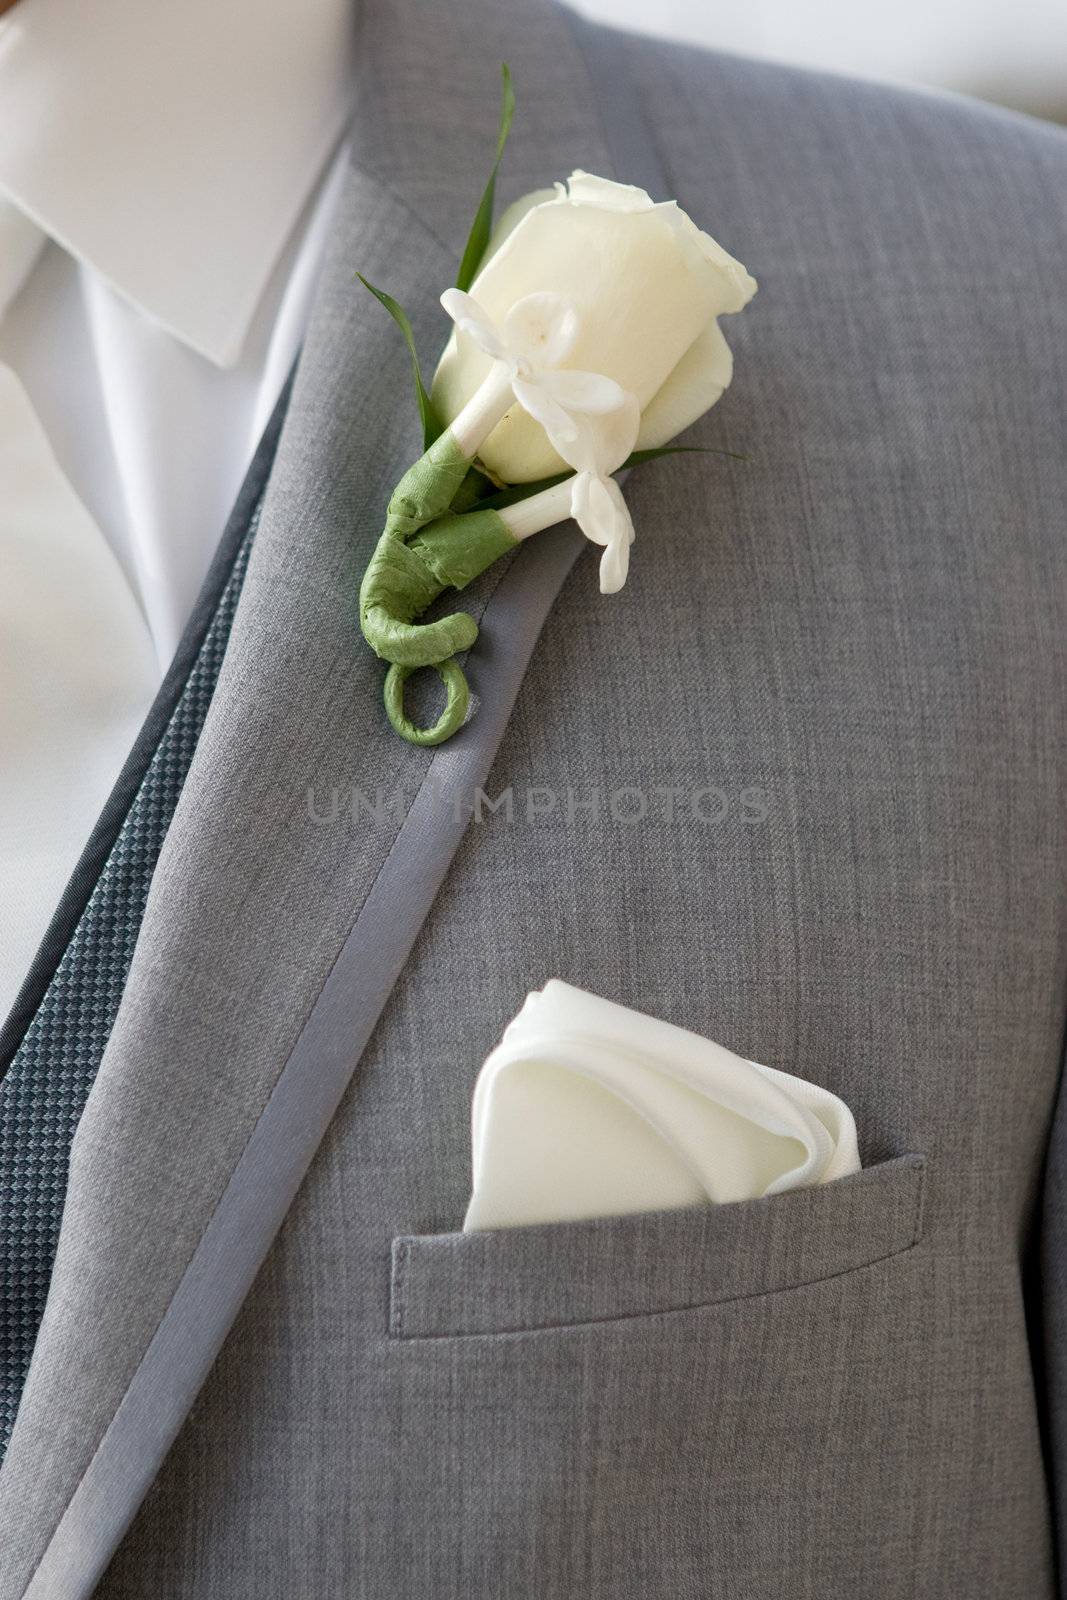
x: 172, y: 147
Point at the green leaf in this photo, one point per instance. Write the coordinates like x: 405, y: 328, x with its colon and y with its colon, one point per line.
x: 432, y: 426
x: 639, y: 456
x: 478, y: 238
x: 472, y: 491
x: 520, y: 491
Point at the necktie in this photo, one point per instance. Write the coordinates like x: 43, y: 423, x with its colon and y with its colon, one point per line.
x: 43, y: 1092
x: 77, y: 673
x: 53, y: 1044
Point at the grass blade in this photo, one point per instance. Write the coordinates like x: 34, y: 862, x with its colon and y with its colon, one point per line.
x: 431, y: 423
x: 639, y: 456
x: 482, y: 227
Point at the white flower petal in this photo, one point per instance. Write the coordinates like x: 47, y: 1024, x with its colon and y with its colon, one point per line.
x: 600, y: 510
x: 584, y: 391
x: 624, y: 527
x: 614, y: 566
x: 511, y: 216
x: 539, y: 404
x: 586, y: 189
x: 580, y: 484
x: 603, y: 523
x: 693, y: 387
x: 476, y: 323
x: 602, y: 443
x: 542, y: 328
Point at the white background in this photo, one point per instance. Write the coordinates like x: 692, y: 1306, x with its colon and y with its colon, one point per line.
x: 1012, y: 51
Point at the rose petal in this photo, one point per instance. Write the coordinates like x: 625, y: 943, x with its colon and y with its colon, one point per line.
x: 691, y: 389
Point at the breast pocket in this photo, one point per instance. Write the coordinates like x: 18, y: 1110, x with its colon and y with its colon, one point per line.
x: 462, y: 1285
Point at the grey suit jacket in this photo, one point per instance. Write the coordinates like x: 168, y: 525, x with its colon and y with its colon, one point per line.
x: 269, y: 1365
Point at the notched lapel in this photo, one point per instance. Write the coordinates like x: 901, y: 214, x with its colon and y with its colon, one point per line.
x: 255, y: 894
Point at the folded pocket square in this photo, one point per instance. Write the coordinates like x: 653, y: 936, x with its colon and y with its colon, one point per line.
x: 589, y: 1109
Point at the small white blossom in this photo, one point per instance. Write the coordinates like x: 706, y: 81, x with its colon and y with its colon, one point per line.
x: 538, y: 333
x: 600, y: 447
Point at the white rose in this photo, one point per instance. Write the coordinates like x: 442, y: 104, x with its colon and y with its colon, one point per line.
x: 647, y: 285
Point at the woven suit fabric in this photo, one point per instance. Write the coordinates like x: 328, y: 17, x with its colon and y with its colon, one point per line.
x: 44, y: 1089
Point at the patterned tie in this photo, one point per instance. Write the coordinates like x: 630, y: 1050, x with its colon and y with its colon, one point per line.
x: 49, y: 1077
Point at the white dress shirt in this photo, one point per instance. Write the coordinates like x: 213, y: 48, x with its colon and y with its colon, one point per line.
x: 167, y: 176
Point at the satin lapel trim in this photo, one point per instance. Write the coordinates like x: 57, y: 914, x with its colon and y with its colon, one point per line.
x: 306, y: 1095
x: 112, y: 1380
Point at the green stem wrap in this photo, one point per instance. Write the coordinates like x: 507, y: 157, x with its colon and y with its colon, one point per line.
x: 425, y: 548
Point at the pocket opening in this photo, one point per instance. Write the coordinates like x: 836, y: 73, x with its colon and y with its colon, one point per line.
x: 568, y: 1274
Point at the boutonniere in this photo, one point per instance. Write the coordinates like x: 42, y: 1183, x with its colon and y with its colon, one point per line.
x: 585, y: 339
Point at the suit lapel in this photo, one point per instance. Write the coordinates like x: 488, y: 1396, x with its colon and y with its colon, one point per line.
x: 278, y: 921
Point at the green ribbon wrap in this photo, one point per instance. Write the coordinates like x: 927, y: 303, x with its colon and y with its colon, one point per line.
x: 428, y: 546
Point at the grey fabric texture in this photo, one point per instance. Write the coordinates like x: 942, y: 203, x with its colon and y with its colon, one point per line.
x: 1052, y: 1315
x: 302, y: 1102
x: 43, y: 1091
x: 851, y: 649
x: 508, y: 1280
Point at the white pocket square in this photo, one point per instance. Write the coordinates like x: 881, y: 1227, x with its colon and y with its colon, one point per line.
x: 589, y: 1109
